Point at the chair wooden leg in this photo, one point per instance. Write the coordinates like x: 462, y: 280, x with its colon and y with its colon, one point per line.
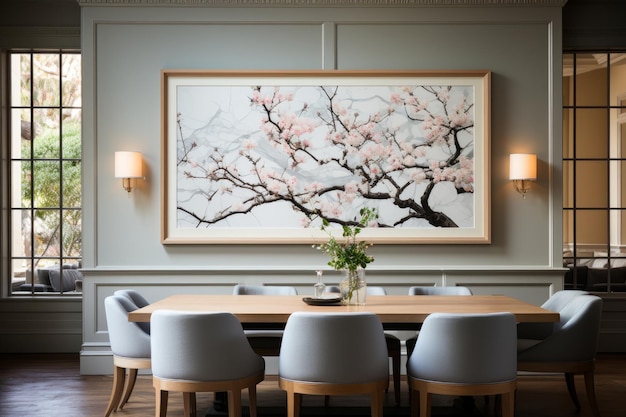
x: 571, y: 388
x: 234, y: 403
x: 591, y: 393
x: 189, y: 404
x: 424, y: 401
x: 116, y: 392
x: 415, y: 402
x: 160, y: 409
x: 293, y: 404
x: 508, y: 404
x: 376, y: 403
x: 131, y: 378
x: 252, y: 400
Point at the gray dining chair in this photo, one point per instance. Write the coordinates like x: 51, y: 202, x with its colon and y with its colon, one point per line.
x: 570, y: 349
x: 394, y: 345
x: 432, y: 290
x: 265, y: 342
x: 556, y: 303
x: 202, y: 352
x: 134, y: 296
x: 466, y: 355
x: 138, y: 300
x: 333, y: 354
x: 130, y: 345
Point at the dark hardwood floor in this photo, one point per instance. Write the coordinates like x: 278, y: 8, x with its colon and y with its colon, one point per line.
x: 33, y: 385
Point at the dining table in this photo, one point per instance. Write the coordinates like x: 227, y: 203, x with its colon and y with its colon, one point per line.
x: 396, y: 312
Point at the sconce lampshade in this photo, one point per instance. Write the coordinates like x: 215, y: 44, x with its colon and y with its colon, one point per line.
x: 523, y: 166
x: 522, y: 169
x: 128, y: 165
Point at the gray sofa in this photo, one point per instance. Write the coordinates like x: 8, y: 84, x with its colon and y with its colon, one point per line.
x: 50, y: 279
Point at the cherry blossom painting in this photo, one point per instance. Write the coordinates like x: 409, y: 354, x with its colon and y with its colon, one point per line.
x: 268, y: 157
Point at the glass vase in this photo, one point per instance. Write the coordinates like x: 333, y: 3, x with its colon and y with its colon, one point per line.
x: 353, y: 288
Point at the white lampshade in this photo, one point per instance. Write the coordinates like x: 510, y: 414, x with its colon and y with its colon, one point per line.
x: 523, y: 166
x: 128, y: 165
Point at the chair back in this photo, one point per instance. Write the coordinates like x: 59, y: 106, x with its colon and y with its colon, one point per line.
x: 369, y: 290
x: 341, y: 348
x: 241, y: 289
x: 560, y: 299
x: 201, y: 346
x: 127, y: 339
x: 429, y: 290
x: 466, y: 349
x: 134, y: 296
x: 557, y: 302
x: 139, y: 301
x: 575, y: 337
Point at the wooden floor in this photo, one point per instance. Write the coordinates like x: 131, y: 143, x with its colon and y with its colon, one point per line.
x: 51, y: 385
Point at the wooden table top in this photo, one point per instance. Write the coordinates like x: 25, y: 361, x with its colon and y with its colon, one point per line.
x: 392, y: 309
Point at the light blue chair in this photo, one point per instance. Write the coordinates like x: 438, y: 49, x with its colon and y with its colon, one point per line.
x: 130, y: 345
x: 466, y: 355
x: 431, y: 290
x: 333, y: 354
x: 556, y: 303
x: 265, y: 342
x: 394, y: 345
x: 570, y: 349
x: 202, y: 352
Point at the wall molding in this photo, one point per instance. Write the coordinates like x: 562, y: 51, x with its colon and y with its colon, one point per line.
x: 325, y: 3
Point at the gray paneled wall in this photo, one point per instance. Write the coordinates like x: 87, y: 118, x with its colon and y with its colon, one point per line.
x: 125, y: 50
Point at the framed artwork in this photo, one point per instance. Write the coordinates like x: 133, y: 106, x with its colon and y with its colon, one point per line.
x: 266, y: 157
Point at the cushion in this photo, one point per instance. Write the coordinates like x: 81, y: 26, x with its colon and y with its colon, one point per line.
x: 69, y: 279
x: 43, y: 276
x: 618, y: 263
x: 599, y: 263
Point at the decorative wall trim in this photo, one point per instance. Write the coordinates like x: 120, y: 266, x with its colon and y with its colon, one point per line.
x: 324, y: 3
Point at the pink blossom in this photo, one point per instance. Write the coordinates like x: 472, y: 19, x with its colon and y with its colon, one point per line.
x: 351, y: 187
x: 395, y: 98
x: 249, y: 144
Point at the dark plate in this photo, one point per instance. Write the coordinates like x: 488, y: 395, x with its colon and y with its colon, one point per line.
x: 322, y: 301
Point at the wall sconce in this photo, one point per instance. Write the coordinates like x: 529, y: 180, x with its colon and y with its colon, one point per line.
x: 128, y: 167
x: 522, y: 170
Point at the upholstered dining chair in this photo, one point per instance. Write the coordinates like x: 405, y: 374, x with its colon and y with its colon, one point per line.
x: 202, y: 352
x: 394, y: 345
x: 556, y: 303
x: 130, y: 345
x: 265, y: 342
x: 431, y: 290
x: 139, y: 301
x: 570, y: 349
x: 333, y: 354
x: 133, y: 295
x: 466, y: 355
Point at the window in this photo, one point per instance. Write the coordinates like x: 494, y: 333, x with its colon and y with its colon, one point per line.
x: 44, y: 172
x: 594, y: 170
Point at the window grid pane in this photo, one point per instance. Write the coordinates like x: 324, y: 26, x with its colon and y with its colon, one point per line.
x: 45, y: 177
x: 594, y: 168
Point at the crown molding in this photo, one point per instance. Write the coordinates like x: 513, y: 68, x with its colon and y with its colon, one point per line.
x: 324, y: 3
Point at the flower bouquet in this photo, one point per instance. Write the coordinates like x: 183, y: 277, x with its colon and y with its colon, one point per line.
x: 350, y: 255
